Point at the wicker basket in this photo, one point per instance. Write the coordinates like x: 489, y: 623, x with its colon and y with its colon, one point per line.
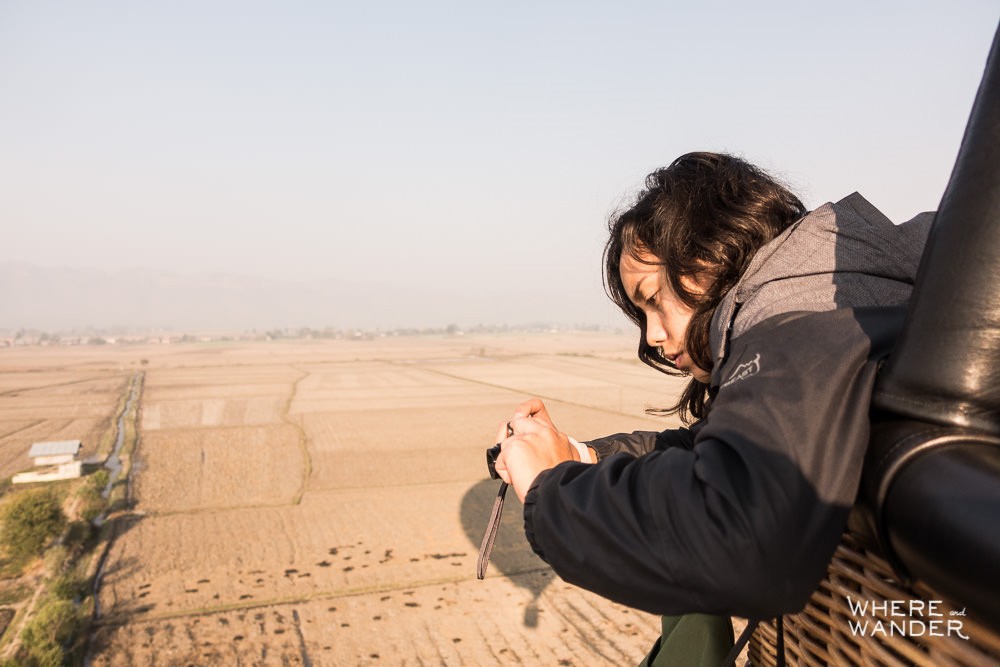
x: 827, y: 632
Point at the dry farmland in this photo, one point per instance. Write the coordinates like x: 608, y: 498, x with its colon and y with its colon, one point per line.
x: 56, y: 394
x: 322, y: 502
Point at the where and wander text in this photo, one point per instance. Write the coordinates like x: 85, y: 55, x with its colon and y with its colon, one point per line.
x: 903, y: 618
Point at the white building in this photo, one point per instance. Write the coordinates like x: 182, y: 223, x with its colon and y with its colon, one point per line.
x: 53, y: 460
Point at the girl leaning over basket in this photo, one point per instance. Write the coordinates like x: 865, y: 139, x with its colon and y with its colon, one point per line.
x: 780, y: 317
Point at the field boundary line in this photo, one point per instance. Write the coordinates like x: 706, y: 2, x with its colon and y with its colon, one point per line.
x: 18, y: 392
x: 23, y: 428
x: 128, y: 618
x: 203, y: 398
x: 152, y: 513
x: 563, y: 356
x: 223, y: 427
x: 210, y: 510
x: 493, y: 385
x: 303, y: 438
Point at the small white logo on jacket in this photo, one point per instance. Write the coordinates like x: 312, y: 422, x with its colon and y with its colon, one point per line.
x: 743, y: 371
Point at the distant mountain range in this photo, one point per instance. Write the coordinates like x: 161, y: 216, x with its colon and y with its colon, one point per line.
x: 62, y: 299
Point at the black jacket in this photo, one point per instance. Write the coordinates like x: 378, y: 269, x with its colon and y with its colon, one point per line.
x: 740, y: 513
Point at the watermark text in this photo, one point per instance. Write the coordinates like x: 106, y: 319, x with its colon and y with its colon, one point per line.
x: 904, y: 618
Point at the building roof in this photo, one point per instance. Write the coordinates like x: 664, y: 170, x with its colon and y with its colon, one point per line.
x: 54, y: 448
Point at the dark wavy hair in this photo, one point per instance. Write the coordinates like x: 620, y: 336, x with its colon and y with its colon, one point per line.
x: 703, y: 218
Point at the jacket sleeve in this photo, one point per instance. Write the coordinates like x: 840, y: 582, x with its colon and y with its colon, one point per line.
x: 746, y: 520
x: 638, y: 443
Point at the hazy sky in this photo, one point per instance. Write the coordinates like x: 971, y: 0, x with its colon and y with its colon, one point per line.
x: 469, y: 150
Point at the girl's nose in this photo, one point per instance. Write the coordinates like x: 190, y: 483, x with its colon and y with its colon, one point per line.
x: 656, y: 335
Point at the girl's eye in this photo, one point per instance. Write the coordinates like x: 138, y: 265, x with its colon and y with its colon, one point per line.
x: 652, y: 298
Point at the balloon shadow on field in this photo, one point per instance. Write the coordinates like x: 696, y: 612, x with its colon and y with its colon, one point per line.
x: 512, y: 555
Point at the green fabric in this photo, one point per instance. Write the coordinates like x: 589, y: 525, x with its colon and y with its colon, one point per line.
x: 691, y: 639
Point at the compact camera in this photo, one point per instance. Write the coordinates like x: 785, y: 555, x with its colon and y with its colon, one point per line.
x: 491, y: 460
x: 493, y: 452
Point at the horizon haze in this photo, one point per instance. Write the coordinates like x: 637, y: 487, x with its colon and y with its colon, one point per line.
x: 56, y: 300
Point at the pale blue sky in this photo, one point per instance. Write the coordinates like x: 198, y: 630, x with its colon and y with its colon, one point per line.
x: 467, y: 150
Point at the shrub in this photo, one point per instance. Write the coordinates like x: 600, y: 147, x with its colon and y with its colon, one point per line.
x: 92, y: 503
x: 53, y: 626
x: 30, y: 520
x: 98, y: 480
x: 78, y: 533
x: 68, y: 586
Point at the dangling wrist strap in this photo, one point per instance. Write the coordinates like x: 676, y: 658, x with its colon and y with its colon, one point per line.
x: 491, y: 533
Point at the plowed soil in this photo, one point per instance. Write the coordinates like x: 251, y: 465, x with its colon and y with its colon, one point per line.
x: 322, y: 503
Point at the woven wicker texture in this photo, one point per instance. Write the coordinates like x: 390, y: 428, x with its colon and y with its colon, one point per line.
x: 899, y: 625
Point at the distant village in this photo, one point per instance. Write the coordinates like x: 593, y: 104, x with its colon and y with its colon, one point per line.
x: 32, y: 337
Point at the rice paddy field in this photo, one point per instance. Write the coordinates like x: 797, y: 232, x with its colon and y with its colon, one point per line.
x: 322, y: 502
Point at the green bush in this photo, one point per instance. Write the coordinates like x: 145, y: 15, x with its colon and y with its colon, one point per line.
x: 47, y: 656
x: 92, y: 503
x: 68, y: 586
x: 53, y: 627
x: 78, y: 533
x: 98, y: 480
x: 30, y: 520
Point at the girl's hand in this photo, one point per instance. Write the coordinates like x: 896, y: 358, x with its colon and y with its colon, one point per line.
x: 533, y: 407
x: 535, y: 445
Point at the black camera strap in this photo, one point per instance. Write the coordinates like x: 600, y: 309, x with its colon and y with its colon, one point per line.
x: 491, y: 533
x: 486, y: 548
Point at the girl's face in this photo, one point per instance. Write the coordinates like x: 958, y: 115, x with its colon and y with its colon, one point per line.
x: 667, y: 317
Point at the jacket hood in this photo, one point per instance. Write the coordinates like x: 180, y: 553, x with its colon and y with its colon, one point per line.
x: 842, y: 255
